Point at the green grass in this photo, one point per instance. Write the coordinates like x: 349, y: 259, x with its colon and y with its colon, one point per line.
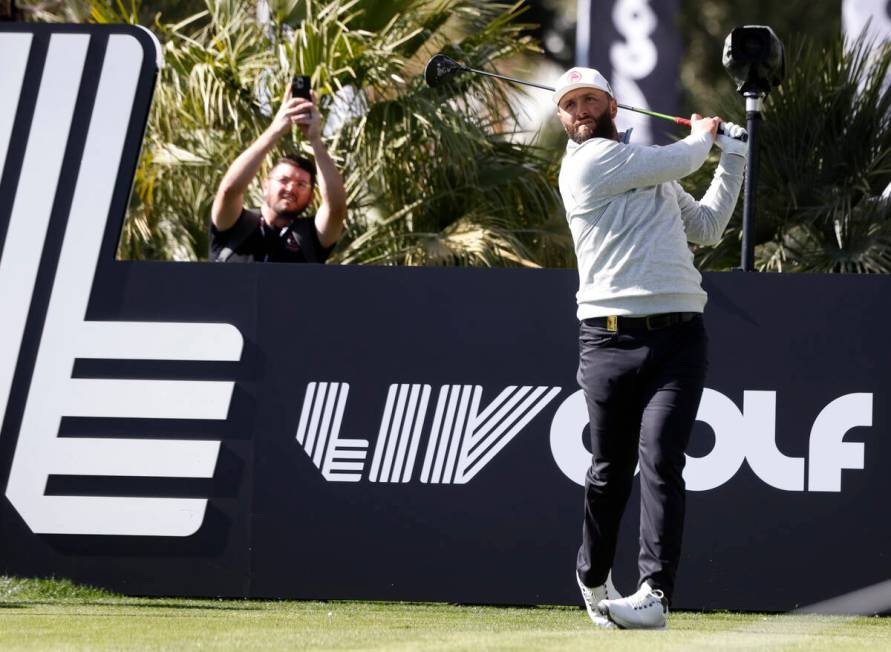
x: 57, y: 615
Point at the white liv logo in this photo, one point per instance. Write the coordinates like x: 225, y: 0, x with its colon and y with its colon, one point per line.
x: 740, y: 435
x: 67, y: 336
x: 463, y: 438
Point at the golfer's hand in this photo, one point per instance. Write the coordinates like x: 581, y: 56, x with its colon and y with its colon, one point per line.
x: 699, y: 125
x: 730, y: 142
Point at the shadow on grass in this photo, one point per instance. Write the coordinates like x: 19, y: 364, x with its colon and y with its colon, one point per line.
x: 117, y: 603
x: 174, y: 605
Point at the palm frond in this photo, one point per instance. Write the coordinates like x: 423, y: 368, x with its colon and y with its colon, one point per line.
x: 433, y: 175
x: 825, y: 152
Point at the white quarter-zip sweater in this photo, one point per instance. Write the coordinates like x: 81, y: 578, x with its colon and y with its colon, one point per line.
x: 631, y: 221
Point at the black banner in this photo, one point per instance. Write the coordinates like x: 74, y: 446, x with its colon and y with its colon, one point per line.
x: 636, y: 45
x: 323, y: 432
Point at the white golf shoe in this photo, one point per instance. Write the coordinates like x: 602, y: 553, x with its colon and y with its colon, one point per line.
x: 646, y: 609
x: 594, y: 595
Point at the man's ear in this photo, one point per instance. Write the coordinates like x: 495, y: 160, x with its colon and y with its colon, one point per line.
x: 613, y: 107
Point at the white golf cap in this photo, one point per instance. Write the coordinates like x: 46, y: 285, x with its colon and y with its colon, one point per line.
x: 580, y: 78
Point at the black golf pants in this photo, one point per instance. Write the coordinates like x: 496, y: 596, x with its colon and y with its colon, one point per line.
x: 642, y: 388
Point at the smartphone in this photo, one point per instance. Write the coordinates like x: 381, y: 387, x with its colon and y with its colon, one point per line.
x: 300, y: 87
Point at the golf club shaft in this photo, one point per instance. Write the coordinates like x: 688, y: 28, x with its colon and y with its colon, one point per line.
x: 510, y: 79
x: 673, y: 118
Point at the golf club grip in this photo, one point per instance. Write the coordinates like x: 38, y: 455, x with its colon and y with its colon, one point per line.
x: 686, y: 123
x: 743, y: 139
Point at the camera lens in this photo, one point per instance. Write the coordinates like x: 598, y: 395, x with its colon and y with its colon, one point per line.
x: 753, y: 46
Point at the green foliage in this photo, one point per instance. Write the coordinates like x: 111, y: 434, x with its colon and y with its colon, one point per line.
x: 433, y: 176
x: 825, y: 159
x: 439, y: 176
x: 704, y: 24
x: 130, y: 11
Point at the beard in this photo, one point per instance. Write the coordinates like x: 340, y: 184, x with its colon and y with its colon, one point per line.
x: 603, y: 127
x: 285, y: 212
x: 285, y: 209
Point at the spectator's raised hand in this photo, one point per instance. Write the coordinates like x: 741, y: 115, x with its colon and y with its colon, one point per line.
x: 308, y: 118
x: 300, y: 112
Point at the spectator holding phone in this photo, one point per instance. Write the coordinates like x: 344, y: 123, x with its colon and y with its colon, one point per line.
x: 277, y: 230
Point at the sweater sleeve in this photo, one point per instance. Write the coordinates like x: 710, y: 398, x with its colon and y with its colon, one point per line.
x: 614, y: 168
x: 705, y: 220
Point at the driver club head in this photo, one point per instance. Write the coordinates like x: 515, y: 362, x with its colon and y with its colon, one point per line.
x: 439, y: 67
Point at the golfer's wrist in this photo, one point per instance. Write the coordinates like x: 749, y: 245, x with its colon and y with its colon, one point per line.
x: 702, y: 142
x: 740, y: 154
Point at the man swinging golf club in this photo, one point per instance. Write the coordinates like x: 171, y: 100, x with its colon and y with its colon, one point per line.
x: 642, y: 342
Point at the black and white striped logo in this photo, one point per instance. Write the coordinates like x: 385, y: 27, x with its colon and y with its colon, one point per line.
x: 73, y: 108
x: 463, y: 437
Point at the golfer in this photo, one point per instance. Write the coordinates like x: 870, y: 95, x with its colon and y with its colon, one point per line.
x: 642, y: 342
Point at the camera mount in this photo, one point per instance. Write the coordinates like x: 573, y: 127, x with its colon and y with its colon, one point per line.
x: 754, y: 57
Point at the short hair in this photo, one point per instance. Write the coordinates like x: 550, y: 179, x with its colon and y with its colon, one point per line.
x: 299, y: 162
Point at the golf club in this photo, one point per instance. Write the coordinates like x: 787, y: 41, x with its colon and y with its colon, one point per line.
x: 441, y: 67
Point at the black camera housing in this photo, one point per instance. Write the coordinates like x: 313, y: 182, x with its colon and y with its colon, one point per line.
x: 300, y: 87
x: 755, y: 58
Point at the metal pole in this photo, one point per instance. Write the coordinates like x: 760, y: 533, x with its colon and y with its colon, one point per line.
x: 754, y: 104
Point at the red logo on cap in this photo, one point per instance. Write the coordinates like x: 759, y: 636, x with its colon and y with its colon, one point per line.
x: 575, y: 76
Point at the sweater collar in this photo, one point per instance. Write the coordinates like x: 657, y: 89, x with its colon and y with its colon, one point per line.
x: 624, y: 138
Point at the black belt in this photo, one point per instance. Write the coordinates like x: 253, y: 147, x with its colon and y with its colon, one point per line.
x: 649, y: 323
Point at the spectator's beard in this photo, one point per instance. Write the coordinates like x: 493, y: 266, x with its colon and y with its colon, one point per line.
x: 281, y: 213
x: 289, y: 214
x: 285, y: 208
x: 602, y: 127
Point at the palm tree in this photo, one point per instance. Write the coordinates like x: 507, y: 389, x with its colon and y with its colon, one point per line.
x: 825, y: 162
x: 78, y: 11
x: 435, y: 176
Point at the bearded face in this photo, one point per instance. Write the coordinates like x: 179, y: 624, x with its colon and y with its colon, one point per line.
x: 587, y: 113
x: 288, y: 190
